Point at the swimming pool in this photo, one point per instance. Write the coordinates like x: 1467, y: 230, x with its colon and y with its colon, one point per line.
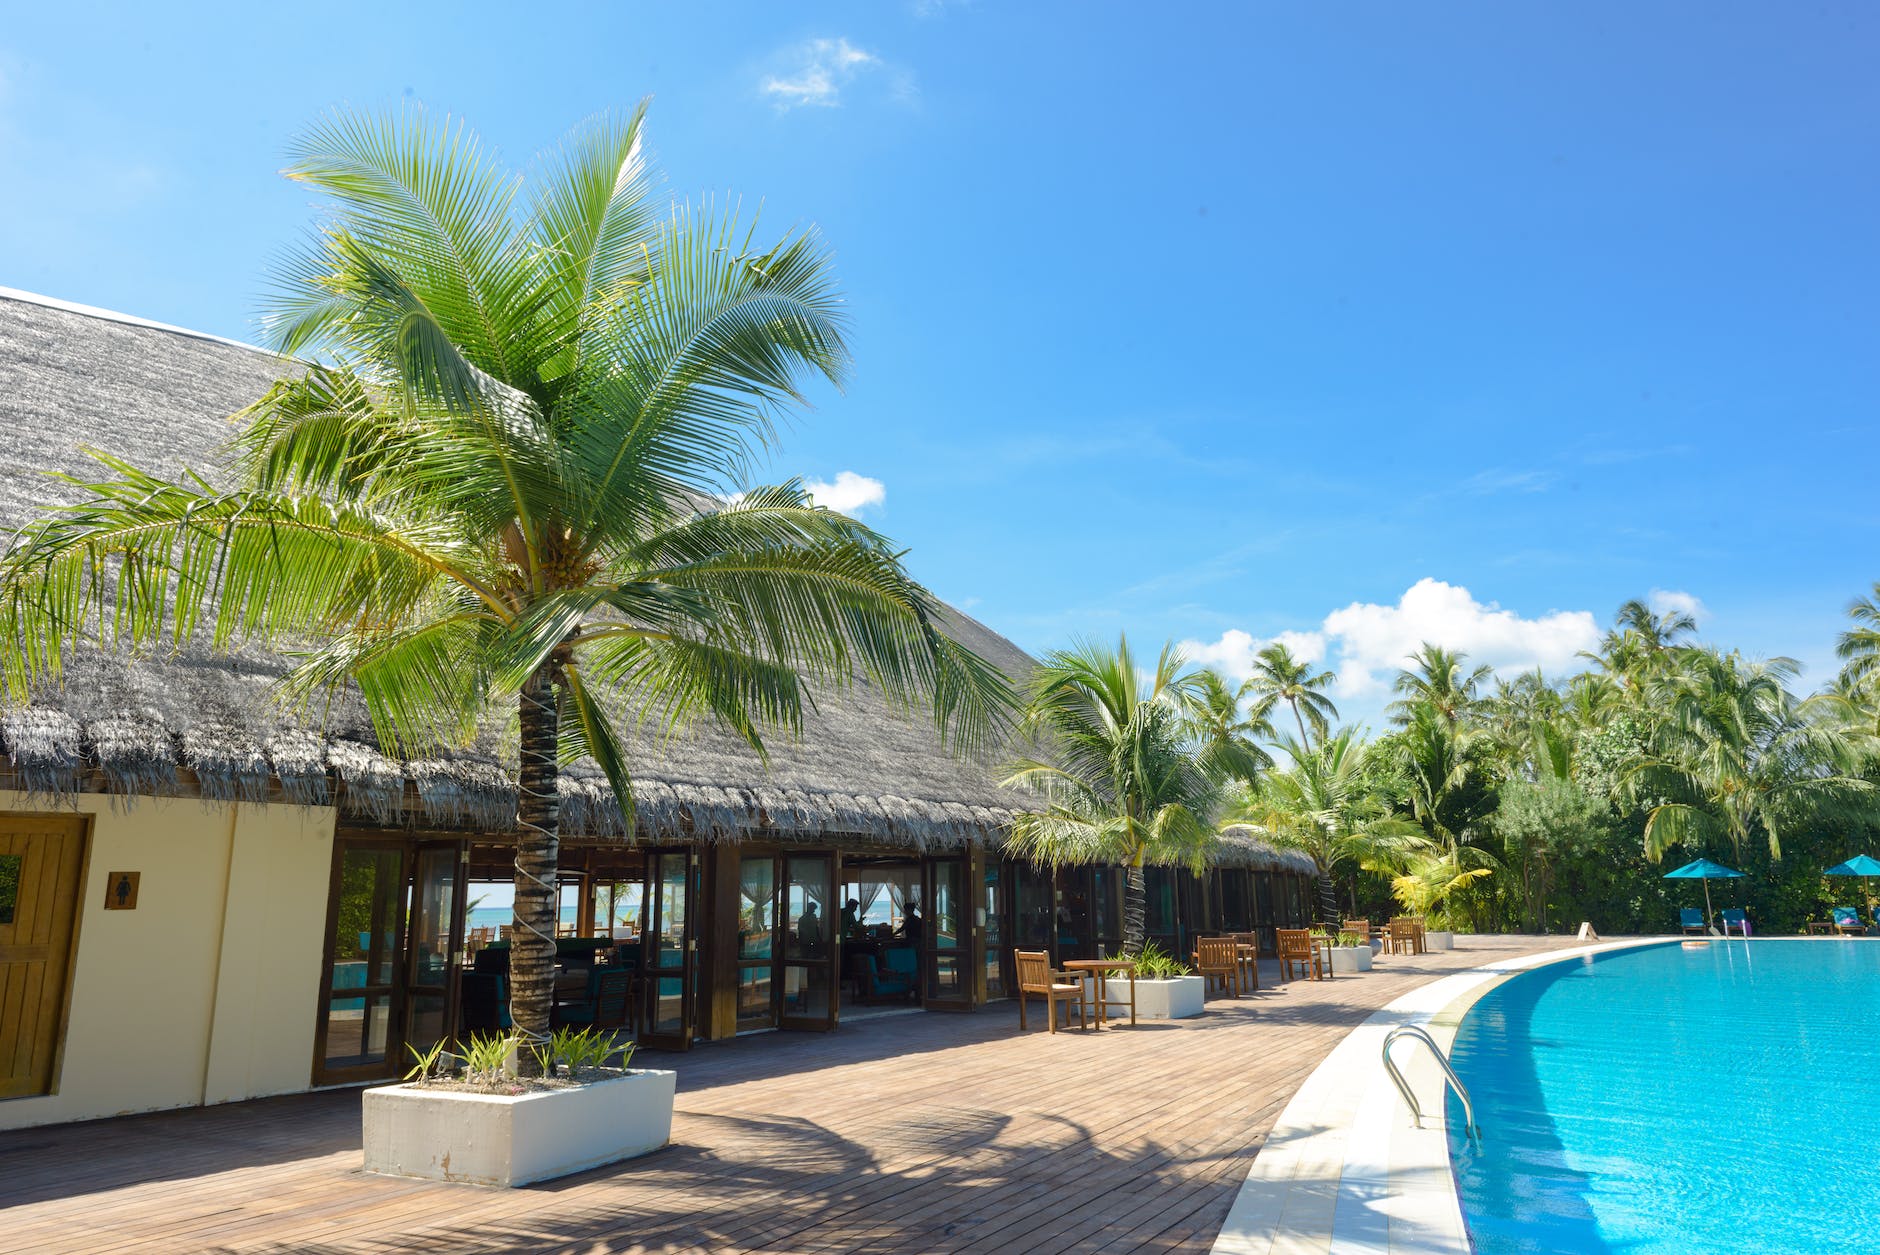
x: 1661, y: 1099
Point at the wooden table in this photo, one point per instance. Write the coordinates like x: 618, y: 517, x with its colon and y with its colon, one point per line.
x: 1248, y: 955
x: 1099, y: 969
x: 1818, y: 926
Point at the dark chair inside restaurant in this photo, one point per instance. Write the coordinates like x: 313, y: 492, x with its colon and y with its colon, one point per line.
x: 484, y: 997
x: 608, y: 1004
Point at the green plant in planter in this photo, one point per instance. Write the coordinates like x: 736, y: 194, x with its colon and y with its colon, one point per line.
x: 581, y: 1049
x: 430, y: 1063
x: 1351, y: 941
x: 1155, y: 963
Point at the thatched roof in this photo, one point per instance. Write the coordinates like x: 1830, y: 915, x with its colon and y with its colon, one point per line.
x: 197, y: 722
x: 1244, y: 845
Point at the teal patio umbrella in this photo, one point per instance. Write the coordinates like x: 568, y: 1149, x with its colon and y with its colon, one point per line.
x: 1862, y: 865
x: 1705, y: 870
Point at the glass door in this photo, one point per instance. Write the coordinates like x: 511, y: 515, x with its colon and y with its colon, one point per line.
x: 757, y: 941
x: 994, y: 924
x: 947, y: 949
x: 360, y: 997
x: 671, y: 950
x: 433, y: 941
x: 808, y: 970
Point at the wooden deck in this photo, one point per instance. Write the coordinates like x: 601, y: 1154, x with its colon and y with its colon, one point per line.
x: 923, y: 1132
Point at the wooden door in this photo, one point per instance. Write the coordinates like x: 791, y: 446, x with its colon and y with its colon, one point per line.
x: 670, y: 948
x: 41, y: 860
x: 806, y: 972
x: 947, y: 950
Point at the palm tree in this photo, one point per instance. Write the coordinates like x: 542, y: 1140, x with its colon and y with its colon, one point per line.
x: 1279, y: 677
x: 1440, y: 680
x: 1640, y: 642
x: 1125, y: 780
x: 1229, y: 733
x: 1859, y: 646
x: 1323, y: 805
x: 513, y: 482
x: 1733, y: 750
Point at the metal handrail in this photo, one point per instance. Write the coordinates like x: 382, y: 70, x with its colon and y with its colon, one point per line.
x: 1455, y: 1082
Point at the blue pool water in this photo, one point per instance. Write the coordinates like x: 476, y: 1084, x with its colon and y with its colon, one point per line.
x: 1661, y: 1100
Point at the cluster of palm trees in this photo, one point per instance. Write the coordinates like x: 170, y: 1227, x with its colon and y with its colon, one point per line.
x: 1496, y: 802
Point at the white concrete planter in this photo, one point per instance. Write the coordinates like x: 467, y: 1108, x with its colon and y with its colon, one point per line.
x: 1439, y: 941
x: 1175, y: 999
x: 493, y: 1139
x: 1351, y: 959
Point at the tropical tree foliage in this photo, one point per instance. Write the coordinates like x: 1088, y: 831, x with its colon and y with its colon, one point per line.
x: 1123, y: 771
x: 517, y: 475
x: 1325, y: 805
x: 1279, y: 677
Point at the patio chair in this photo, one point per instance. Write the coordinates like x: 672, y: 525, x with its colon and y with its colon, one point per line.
x: 1247, y: 946
x: 1694, y: 925
x: 1738, y: 920
x: 609, y: 1002
x: 1407, y: 930
x: 1296, y: 946
x: 1847, y: 922
x: 1362, y: 927
x: 1217, y: 959
x: 1036, y: 977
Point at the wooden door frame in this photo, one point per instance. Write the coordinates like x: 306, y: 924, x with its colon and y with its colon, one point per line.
x: 85, y: 821
x: 963, y: 949
x: 653, y: 911
x: 832, y: 944
x: 395, y: 1009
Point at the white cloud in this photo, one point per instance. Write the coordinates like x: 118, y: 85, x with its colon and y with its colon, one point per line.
x: 1676, y: 601
x: 818, y: 70
x: 1367, y: 643
x: 848, y: 493
x: 1232, y: 655
x: 1374, y: 641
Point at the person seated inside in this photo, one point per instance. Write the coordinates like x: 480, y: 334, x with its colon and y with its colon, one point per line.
x: 851, y: 919
x: 809, y: 931
x: 910, y: 924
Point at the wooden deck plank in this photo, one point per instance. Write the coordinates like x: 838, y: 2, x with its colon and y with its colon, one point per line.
x: 912, y: 1133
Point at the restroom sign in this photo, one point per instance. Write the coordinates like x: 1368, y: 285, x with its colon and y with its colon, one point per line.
x: 120, y: 891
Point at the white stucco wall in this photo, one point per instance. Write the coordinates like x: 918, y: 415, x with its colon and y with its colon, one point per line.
x: 207, y: 991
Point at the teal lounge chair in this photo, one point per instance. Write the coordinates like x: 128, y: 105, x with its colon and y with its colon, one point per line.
x: 1847, y: 922
x: 1738, y: 920
x: 1694, y: 925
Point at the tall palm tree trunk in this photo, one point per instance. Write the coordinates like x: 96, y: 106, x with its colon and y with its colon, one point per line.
x: 1135, y: 914
x: 1328, y: 900
x: 538, y: 849
x: 1300, y: 720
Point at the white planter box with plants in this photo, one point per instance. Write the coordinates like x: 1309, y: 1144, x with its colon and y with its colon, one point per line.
x: 1164, y: 989
x: 485, y: 1126
x: 1347, y: 960
x: 1438, y: 940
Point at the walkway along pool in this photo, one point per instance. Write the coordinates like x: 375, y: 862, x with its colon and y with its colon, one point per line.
x: 1669, y: 1099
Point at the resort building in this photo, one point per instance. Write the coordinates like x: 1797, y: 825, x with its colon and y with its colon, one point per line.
x: 203, y: 899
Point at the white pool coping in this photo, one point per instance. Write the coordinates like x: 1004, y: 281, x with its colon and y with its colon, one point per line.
x: 1344, y: 1172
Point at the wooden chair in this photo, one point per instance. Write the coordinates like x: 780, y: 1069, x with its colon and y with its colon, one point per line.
x: 1036, y: 977
x: 1362, y: 927
x: 1296, y: 946
x: 1404, y: 937
x: 1248, y: 947
x: 1217, y: 959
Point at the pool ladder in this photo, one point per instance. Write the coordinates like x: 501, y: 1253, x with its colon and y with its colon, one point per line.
x: 1416, y: 1033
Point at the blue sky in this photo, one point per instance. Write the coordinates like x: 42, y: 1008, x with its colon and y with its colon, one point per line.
x: 1361, y: 323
